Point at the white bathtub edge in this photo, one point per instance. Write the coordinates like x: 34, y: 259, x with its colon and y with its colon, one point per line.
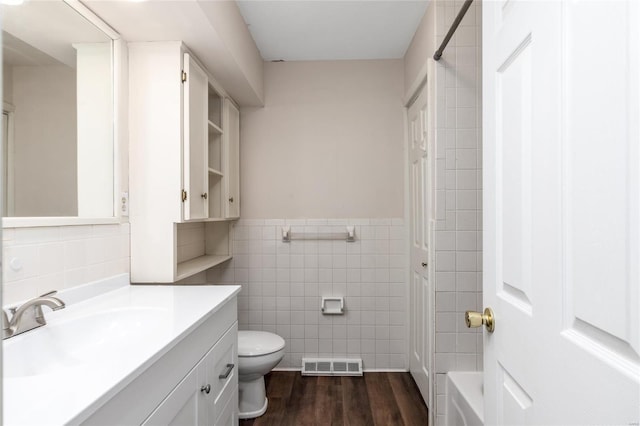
x: 469, y: 387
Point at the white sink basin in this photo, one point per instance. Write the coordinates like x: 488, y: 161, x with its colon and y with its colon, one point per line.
x: 93, y: 338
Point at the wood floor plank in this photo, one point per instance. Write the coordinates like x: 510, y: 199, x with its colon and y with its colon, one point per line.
x: 301, y: 407
x: 329, y: 401
x: 275, y: 413
x: 280, y: 385
x: 383, y: 399
x: 384, y: 409
x: 356, y: 407
x: 278, y: 388
x: 407, y: 396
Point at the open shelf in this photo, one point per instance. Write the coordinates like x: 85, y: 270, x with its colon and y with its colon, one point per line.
x: 215, y: 107
x: 215, y: 151
x: 213, y: 128
x: 215, y: 195
x: 211, y: 219
x: 202, y: 263
x: 215, y: 172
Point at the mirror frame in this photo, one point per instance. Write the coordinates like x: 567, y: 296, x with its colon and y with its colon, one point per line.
x: 120, y: 155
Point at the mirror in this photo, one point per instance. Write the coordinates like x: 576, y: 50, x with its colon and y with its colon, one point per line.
x: 57, y: 118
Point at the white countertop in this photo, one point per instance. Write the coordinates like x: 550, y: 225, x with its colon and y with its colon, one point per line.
x: 120, y: 334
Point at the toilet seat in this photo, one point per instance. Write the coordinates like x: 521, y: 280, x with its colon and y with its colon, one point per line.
x: 258, y: 343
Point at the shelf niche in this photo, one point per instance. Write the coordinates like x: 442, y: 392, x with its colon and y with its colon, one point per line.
x: 215, y: 108
x: 200, y: 246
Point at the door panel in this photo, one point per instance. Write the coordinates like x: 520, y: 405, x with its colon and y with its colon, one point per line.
x: 416, y: 197
x: 561, y: 190
x: 416, y: 320
x: 513, y: 92
x: 514, y: 400
x: 601, y: 223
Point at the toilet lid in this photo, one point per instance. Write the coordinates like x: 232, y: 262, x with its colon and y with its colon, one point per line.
x: 256, y: 343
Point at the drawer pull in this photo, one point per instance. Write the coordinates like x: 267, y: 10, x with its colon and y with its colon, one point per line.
x: 227, y: 372
x: 206, y: 389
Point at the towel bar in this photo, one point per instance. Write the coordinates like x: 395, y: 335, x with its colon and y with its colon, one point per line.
x: 349, y: 235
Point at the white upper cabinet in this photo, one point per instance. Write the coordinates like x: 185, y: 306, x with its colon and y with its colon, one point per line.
x: 183, y: 164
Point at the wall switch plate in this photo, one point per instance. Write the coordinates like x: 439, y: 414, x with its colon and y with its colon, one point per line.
x: 124, y: 204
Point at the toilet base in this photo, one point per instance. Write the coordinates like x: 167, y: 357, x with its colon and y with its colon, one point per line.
x: 252, y: 398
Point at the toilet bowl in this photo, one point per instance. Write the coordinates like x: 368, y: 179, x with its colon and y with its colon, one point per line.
x: 258, y: 353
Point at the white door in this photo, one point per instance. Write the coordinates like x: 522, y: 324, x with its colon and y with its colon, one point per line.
x: 196, y: 173
x: 420, y: 212
x: 562, y: 219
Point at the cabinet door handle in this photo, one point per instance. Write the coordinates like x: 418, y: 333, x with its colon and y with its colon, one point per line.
x: 204, y: 195
x: 227, y: 372
x: 206, y: 389
x: 231, y: 200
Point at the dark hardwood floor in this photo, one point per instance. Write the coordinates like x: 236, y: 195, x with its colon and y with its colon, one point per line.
x: 382, y: 399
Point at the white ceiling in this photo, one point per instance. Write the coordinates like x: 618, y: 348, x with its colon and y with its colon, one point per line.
x: 332, y: 29
x: 189, y: 21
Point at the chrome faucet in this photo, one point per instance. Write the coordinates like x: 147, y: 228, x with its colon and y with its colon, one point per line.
x: 29, y: 315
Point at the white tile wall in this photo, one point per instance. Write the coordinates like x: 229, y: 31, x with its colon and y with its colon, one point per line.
x: 282, y: 284
x: 36, y: 260
x: 458, y: 240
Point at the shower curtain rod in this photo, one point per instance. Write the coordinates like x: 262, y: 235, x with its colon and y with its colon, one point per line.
x: 454, y: 27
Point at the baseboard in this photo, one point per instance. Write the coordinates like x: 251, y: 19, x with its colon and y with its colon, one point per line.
x: 366, y: 370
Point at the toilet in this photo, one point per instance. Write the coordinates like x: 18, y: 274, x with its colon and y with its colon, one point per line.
x: 258, y: 353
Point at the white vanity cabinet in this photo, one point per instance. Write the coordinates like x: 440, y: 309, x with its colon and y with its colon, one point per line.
x: 184, y: 164
x: 195, y: 383
x: 204, y: 394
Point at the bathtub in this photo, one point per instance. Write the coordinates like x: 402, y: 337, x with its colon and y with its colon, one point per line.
x: 464, y: 399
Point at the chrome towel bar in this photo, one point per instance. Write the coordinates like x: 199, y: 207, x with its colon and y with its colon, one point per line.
x: 349, y: 235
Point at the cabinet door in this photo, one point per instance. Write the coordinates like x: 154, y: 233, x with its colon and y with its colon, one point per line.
x: 228, y: 416
x: 195, y: 125
x: 232, y: 150
x: 222, y: 372
x: 185, y: 405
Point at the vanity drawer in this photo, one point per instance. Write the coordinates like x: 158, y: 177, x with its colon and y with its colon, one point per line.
x: 223, y: 369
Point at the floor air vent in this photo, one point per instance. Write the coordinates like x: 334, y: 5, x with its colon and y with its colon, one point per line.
x: 331, y: 367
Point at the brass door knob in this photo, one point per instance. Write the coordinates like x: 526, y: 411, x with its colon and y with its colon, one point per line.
x: 477, y: 319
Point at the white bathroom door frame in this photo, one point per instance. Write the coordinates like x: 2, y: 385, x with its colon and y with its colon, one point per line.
x: 419, y: 132
x: 561, y: 180
x: 8, y: 113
